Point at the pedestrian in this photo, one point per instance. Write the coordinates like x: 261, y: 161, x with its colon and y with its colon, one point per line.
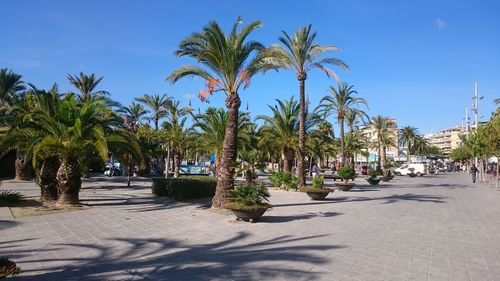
x: 473, y: 172
x: 314, y: 170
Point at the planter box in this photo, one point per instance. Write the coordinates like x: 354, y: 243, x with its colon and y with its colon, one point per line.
x: 374, y: 181
x: 345, y: 186
x: 249, y: 215
x: 317, y: 195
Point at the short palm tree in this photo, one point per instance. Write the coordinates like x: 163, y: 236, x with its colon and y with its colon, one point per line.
x: 380, y: 125
x: 300, y: 54
x: 407, y: 137
x: 230, y: 61
x: 209, y: 129
x: 341, y: 102
x: 86, y: 85
x: 282, y: 128
x: 157, y: 105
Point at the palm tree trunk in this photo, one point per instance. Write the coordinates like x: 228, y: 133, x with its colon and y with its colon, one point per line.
x: 248, y: 176
x: 143, y: 169
x: 225, y: 179
x: 302, y: 133
x: 288, y: 157
x: 342, y: 148
x: 24, y: 170
x: 156, y: 124
x: 379, y: 158
x: 48, y: 179
x: 384, y: 155
x: 177, y: 163
x: 69, y: 182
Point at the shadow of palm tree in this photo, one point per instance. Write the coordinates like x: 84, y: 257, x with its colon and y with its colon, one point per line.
x: 162, y: 259
x: 281, y: 219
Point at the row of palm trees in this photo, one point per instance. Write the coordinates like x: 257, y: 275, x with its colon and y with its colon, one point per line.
x: 226, y: 62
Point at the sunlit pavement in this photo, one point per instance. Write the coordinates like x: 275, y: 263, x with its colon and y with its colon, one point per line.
x: 431, y: 228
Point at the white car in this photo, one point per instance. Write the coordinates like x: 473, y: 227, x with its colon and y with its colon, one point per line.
x: 419, y: 169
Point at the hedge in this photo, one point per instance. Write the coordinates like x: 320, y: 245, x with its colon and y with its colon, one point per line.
x: 184, y: 188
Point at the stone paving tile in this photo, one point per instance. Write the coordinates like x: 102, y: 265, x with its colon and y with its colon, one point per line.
x: 430, y: 228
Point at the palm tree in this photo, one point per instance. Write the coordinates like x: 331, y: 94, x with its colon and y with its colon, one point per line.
x: 135, y: 111
x: 380, y: 125
x: 387, y: 140
x: 209, y: 129
x: 301, y: 54
x: 407, y: 137
x: 27, y: 134
x: 10, y: 85
x: 176, y: 133
x: 341, y: 101
x: 230, y: 62
x: 420, y: 145
x: 282, y: 128
x: 86, y: 84
x: 157, y: 104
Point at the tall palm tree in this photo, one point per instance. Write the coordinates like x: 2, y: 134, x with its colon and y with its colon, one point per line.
x: 341, y: 101
x: 407, y: 137
x: 86, y: 85
x: 282, y: 127
x: 157, y: 105
x: 387, y: 141
x: 230, y: 61
x: 301, y: 54
x: 420, y: 145
x: 380, y: 125
x: 135, y: 111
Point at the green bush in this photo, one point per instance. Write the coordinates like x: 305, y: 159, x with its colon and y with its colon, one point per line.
x: 346, y: 172
x: 372, y: 173
x: 285, y: 180
x: 318, y: 182
x: 184, y: 188
x: 10, y: 197
x: 249, y: 196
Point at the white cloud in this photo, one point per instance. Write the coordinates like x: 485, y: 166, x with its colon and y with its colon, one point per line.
x: 440, y: 23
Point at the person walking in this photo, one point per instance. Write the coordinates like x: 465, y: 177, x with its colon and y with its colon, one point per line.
x: 473, y: 172
x: 314, y: 170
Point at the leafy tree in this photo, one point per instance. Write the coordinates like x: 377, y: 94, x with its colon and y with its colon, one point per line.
x: 230, y: 61
x: 300, y: 54
x: 135, y: 111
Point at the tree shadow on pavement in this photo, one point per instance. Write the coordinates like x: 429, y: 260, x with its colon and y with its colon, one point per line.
x: 239, y: 257
x: 281, y: 219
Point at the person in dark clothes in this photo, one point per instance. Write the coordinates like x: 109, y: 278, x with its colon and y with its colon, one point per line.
x: 473, y: 172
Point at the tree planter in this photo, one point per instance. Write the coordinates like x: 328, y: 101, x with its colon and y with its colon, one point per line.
x: 373, y: 181
x: 317, y: 195
x: 345, y: 186
x: 250, y: 215
x: 385, y: 179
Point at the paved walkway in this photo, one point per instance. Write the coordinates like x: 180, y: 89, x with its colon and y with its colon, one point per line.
x: 431, y: 228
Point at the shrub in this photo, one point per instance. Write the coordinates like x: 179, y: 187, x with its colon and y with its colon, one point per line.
x: 8, y: 268
x: 10, y: 197
x: 318, y: 182
x: 372, y: 173
x: 346, y: 173
x: 183, y: 188
x: 284, y: 180
x: 248, y: 197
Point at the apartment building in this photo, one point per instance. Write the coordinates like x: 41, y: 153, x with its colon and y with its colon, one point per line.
x: 446, y: 140
x: 392, y: 153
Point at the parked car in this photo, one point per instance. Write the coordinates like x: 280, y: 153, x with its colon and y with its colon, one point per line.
x: 419, y: 169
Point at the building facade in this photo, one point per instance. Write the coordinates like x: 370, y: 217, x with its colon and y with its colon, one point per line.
x: 446, y: 140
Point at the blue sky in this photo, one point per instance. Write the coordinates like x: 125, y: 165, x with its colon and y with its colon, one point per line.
x: 413, y: 60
